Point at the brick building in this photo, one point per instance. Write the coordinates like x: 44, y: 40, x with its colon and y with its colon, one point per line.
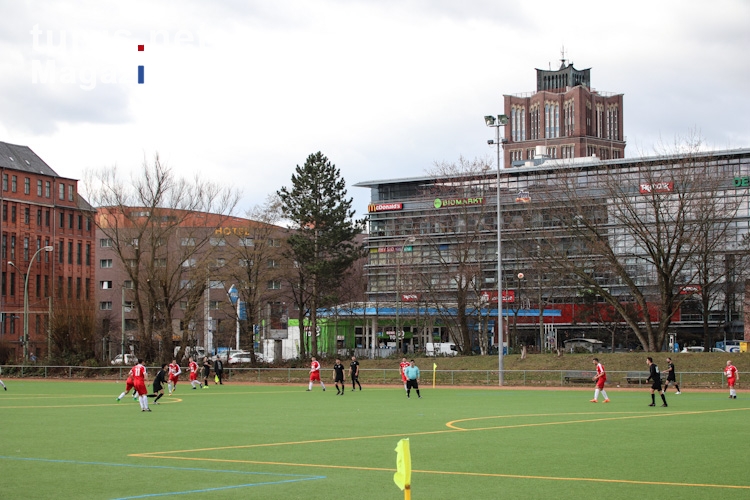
x: 40, y: 209
x: 565, y: 117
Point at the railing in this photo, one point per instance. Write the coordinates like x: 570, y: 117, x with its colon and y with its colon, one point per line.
x: 526, y: 378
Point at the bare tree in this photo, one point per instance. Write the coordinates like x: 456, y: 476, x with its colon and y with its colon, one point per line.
x: 160, y: 227
x: 632, y: 238
x: 458, y: 247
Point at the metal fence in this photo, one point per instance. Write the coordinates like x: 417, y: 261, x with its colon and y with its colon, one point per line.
x: 523, y: 378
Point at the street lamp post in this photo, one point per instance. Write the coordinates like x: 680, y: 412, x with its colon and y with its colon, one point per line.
x: 498, y: 122
x: 26, y: 300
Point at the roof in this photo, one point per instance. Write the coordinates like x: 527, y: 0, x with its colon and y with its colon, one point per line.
x: 550, y: 164
x: 13, y: 156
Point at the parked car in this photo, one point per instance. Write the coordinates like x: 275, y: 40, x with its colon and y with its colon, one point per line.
x: 238, y: 357
x: 130, y: 359
x: 694, y: 348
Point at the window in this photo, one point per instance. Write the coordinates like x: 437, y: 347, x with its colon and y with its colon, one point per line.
x: 61, y: 254
x: 12, y: 247
x: 80, y: 222
x: 79, y: 253
x: 88, y: 287
x: 5, y: 246
x: 13, y: 183
x: 12, y: 283
x: 134, y: 243
x: 47, y: 189
x: 105, y: 306
x: 39, y: 187
x: 88, y: 224
x: 128, y: 284
x: 70, y: 252
x: 5, y: 182
x: 186, y: 284
x: 105, y: 285
x: 131, y: 262
x: 61, y: 191
x: 246, y: 263
x: 189, y: 263
x: 105, y: 242
x: 214, y: 304
x: 183, y: 304
x: 105, y: 263
x: 78, y: 288
x: 88, y: 254
x: 13, y: 213
x: 46, y: 217
x: 187, y: 242
x: 70, y: 287
x: 26, y: 248
x: 218, y: 242
x: 274, y: 285
x: 26, y: 185
x: 246, y: 242
x: 70, y: 220
x: 27, y: 216
x: 5, y: 212
x: 39, y: 217
x: 220, y: 262
x: 71, y: 191
x: 273, y: 263
x: 274, y: 242
x: 216, y: 284
x: 62, y: 220
x: 160, y: 262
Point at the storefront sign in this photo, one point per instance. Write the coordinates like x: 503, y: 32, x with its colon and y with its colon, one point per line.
x: 491, y: 296
x: 409, y: 297
x: 657, y: 187
x: 690, y: 290
x: 384, y: 207
x: 458, y: 202
x: 742, y: 182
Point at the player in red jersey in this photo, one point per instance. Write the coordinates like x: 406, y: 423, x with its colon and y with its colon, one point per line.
x: 193, y: 370
x: 600, y: 378
x: 174, y: 374
x: 732, y: 377
x: 401, y: 368
x: 128, y: 386
x: 139, y: 382
x: 315, y: 374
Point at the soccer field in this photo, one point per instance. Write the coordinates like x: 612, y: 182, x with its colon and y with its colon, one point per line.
x: 73, y: 440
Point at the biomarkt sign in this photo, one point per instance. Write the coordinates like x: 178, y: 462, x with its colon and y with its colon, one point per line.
x: 457, y: 202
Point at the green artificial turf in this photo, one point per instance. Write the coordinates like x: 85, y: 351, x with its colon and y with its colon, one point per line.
x: 73, y: 440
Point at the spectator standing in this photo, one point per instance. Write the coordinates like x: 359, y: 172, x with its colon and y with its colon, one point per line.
x: 218, y: 370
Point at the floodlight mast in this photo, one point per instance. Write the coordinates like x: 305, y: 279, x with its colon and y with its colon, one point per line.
x: 498, y: 122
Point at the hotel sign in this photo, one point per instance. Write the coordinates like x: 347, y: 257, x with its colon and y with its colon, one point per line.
x: 458, y: 202
x: 239, y: 231
x: 384, y: 207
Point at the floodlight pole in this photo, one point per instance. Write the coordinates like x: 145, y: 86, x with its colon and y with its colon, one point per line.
x: 498, y: 122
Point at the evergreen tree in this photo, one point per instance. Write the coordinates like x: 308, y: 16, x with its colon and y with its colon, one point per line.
x: 322, y: 243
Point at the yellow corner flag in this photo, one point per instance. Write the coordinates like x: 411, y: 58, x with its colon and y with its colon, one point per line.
x: 402, y: 477
x: 434, y: 367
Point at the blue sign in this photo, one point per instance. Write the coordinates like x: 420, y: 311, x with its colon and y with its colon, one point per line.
x: 234, y: 294
x: 243, y: 311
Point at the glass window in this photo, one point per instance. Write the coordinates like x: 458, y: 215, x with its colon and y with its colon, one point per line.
x: 105, y: 263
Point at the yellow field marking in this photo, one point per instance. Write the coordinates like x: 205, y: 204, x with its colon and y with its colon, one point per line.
x: 451, y: 473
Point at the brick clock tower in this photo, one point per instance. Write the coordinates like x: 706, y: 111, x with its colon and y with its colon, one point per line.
x: 565, y: 116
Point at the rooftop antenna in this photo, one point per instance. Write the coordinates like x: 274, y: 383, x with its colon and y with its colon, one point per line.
x: 562, y: 57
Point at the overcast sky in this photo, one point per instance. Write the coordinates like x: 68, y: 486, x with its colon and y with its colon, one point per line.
x: 242, y: 91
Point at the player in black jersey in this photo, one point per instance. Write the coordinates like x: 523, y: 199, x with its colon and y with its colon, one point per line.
x: 655, y: 379
x: 671, y: 377
x: 354, y: 372
x: 159, y: 382
x: 338, y: 376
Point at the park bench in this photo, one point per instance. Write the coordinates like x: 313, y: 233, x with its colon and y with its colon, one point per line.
x: 637, y: 377
x: 578, y: 376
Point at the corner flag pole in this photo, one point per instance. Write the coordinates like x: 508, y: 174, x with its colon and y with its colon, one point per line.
x: 434, y: 367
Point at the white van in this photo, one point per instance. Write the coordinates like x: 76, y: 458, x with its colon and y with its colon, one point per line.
x: 440, y: 349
